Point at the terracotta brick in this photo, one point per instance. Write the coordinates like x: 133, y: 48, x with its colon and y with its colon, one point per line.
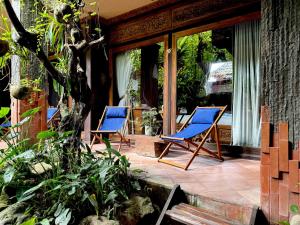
x: 274, y: 208
x: 294, y: 176
x: 293, y: 199
x: 295, y: 155
x: 275, y: 140
x: 274, y: 200
x: 265, y: 179
x: 283, y: 131
x: 265, y: 205
x: 265, y: 137
x: 283, y: 155
x: 265, y: 158
x: 274, y: 151
x: 283, y: 201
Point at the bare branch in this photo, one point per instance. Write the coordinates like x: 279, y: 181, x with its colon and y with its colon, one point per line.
x: 96, y: 42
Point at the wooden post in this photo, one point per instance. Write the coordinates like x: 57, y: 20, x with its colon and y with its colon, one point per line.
x: 111, y: 77
x: 167, y: 85
x: 87, y: 123
x: 173, y: 93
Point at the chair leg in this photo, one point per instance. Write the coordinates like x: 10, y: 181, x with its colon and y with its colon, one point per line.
x: 195, y: 154
x: 121, y: 141
x: 165, y: 152
x: 218, y: 143
x: 93, y: 141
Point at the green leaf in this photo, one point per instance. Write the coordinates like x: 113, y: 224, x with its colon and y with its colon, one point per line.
x: 45, y: 222
x: 64, y: 218
x: 284, y: 223
x: 93, y: 14
x: 111, y: 196
x: 4, y: 112
x: 31, y: 221
x: 59, y: 209
x: 93, y: 3
x: 72, y: 191
x: 25, y: 198
x: 9, y: 174
x: 33, y: 189
x: 294, y: 208
x: 30, y: 112
x: 93, y: 201
x: 47, y: 134
x: 29, y: 154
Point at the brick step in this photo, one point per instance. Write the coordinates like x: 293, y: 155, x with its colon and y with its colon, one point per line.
x: 190, y: 215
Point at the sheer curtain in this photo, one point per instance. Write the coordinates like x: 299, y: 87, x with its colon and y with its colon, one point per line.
x: 246, y: 104
x: 123, y: 72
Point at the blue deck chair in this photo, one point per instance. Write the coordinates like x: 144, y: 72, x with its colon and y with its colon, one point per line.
x: 5, y: 126
x: 201, y: 123
x: 52, y: 114
x: 113, y: 121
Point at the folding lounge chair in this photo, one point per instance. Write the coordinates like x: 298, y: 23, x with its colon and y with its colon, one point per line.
x: 113, y: 121
x: 202, y: 121
x: 52, y: 116
x: 5, y: 126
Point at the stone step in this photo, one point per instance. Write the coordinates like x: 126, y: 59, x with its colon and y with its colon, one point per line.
x: 190, y: 215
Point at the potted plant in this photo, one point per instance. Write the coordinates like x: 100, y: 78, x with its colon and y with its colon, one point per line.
x: 150, y: 122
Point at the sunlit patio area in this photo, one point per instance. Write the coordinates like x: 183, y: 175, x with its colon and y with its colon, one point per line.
x: 235, y: 180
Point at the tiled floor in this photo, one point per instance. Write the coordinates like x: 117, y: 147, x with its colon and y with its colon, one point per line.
x: 234, y: 180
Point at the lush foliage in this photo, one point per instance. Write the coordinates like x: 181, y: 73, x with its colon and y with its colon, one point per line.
x: 34, y: 175
x: 150, y: 118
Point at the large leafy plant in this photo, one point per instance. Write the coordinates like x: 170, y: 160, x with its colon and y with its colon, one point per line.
x: 33, y: 175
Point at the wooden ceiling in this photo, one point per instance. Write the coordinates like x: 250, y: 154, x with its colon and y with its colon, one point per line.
x: 108, y: 9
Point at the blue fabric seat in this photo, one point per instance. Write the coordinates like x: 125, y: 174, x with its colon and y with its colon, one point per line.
x: 202, y: 121
x: 51, y: 112
x: 114, y: 120
x: 6, y: 125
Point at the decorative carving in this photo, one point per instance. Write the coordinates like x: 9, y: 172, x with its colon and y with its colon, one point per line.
x: 204, y: 10
x: 154, y: 24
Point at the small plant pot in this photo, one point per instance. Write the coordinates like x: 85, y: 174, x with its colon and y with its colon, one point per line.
x: 148, y: 130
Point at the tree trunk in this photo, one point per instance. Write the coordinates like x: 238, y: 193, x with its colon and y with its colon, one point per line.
x: 280, y: 35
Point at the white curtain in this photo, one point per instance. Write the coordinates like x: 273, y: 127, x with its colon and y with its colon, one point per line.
x: 123, y: 72
x: 246, y: 91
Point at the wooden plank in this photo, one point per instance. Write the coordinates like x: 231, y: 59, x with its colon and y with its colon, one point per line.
x: 283, y: 147
x: 274, y: 154
x: 294, y: 176
x: 175, y: 197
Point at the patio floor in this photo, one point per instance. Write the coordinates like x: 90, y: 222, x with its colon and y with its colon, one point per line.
x: 233, y: 181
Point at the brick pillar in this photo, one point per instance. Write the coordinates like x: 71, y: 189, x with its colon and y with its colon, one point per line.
x: 32, y: 70
x: 38, y: 122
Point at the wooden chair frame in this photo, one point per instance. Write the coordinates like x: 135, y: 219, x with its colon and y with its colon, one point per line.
x: 97, y: 134
x: 173, y: 140
x: 50, y: 122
